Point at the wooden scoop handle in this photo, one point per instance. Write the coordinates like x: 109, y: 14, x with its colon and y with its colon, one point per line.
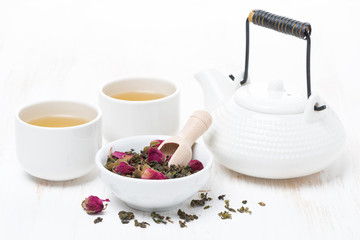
x: 196, y: 126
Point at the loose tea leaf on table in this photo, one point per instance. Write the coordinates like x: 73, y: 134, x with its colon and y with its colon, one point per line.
x: 141, y: 224
x: 197, y: 202
x: 247, y: 210
x: 126, y: 217
x: 182, y: 224
x: 98, y: 220
x: 186, y: 217
x: 241, y: 210
x: 204, y: 196
x: 200, y: 202
x: 228, y: 207
x: 244, y: 210
x: 221, y: 197
x: 225, y: 215
x: 262, y: 204
x: 158, y: 218
x: 169, y: 219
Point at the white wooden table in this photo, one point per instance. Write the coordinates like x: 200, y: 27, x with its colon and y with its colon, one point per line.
x: 67, y: 49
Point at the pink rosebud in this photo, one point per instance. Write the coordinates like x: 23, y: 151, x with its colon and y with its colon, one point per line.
x: 156, y: 155
x: 124, y: 168
x: 152, y: 174
x: 119, y: 155
x: 196, y: 165
x: 93, y: 204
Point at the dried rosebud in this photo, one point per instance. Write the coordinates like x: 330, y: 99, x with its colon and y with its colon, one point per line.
x: 118, y: 155
x: 156, y: 143
x: 113, y: 165
x: 122, y: 155
x: 93, y: 204
x: 152, y: 174
x: 156, y: 155
x: 196, y: 165
x: 124, y: 168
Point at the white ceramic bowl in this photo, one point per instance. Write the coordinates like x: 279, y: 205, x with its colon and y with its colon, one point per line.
x: 152, y: 195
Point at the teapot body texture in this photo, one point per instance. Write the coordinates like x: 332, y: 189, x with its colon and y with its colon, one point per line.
x: 276, y: 146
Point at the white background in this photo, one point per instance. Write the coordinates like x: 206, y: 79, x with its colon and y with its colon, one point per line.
x: 67, y: 49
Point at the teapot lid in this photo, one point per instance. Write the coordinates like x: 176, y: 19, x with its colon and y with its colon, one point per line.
x: 272, y: 99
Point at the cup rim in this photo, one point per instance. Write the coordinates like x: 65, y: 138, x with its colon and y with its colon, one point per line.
x: 102, y: 168
x: 175, y: 84
x: 94, y: 120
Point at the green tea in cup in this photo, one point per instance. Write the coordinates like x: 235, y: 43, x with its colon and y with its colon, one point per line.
x: 138, y: 96
x: 57, y: 121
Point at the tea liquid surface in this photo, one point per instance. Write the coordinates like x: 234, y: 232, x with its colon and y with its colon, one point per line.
x: 138, y: 96
x: 57, y: 121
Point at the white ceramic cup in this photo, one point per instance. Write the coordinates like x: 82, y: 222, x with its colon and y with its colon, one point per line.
x: 58, y: 154
x: 122, y: 118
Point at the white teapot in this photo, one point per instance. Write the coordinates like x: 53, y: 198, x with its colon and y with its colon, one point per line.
x: 263, y: 131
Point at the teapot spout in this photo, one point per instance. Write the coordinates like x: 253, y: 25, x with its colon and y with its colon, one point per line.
x: 216, y: 87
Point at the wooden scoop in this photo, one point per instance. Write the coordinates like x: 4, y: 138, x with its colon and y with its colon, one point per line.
x: 180, y: 146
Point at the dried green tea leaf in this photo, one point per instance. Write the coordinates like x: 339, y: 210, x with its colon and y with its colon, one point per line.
x: 182, y: 224
x: 131, y: 152
x: 98, y: 220
x: 231, y: 209
x: 200, y: 202
x: 135, y: 160
x: 146, y: 149
x: 141, y: 224
x: 244, y: 209
x: 207, y: 207
x: 221, y: 197
x: 158, y: 218
x: 228, y: 207
x: 205, y: 197
x: 174, y: 171
x: 244, y: 202
x: 262, y: 204
x: 185, y: 216
x: 169, y: 219
x: 241, y: 210
x: 196, y: 202
x: 225, y: 215
x: 126, y: 217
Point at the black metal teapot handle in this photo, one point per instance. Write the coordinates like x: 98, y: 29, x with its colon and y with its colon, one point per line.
x: 285, y: 25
